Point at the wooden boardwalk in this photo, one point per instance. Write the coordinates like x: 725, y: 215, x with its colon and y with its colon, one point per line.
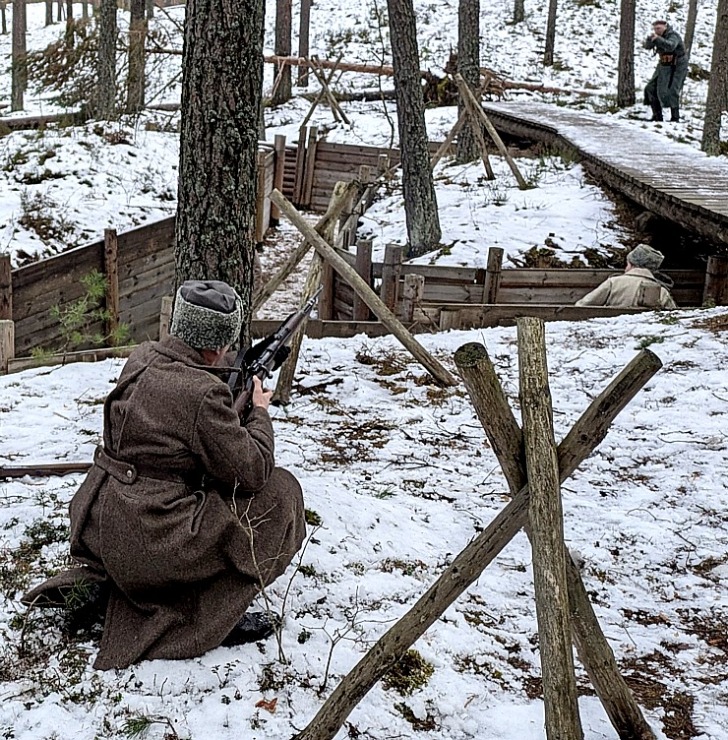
x: 673, y: 180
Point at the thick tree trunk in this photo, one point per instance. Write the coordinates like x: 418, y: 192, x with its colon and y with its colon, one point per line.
x: 420, y: 204
x: 106, y: 61
x: 625, y: 70
x: 304, y: 27
x: 48, y: 12
x: 3, y: 17
x: 469, y: 68
x: 69, y: 23
x: 137, y: 38
x: 19, y: 71
x: 690, y: 25
x: 548, y: 53
x: 284, y: 20
x: 222, y: 72
x: 547, y: 535
x: 716, y: 102
x: 519, y: 11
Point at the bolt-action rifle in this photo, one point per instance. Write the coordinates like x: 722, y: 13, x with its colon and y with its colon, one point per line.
x: 257, y: 361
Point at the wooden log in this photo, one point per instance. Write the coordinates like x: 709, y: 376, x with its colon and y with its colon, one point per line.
x: 391, y: 271
x: 7, y: 343
x: 165, y: 316
x: 111, y: 270
x: 547, y: 535
x: 506, y: 440
x: 6, y: 288
x: 279, y: 146
x: 309, y: 167
x: 336, y: 204
x: 438, y: 372
x: 363, y: 267
x: 412, y: 291
x: 326, y: 299
x: 476, y: 107
x: 442, y: 150
x: 493, y: 275
x: 260, y: 225
x: 715, y: 291
x: 299, y: 171
x: 466, y: 568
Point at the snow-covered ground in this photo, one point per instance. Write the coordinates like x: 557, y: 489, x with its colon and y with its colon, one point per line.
x: 400, y: 474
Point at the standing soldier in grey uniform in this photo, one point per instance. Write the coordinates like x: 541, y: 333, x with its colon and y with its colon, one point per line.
x: 663, y: 90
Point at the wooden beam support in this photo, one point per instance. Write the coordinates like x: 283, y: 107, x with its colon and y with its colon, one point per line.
x: 279, y: 147
x: 7, y: 343
x: 363, y: 267
x: 6, y: 288
x: 391, y: 271
x: 442, y: 149
x: 111, y: 269
x: 493, y: 275
x: 438, y: 372
x: 413, y: 288
x: 715, y: 292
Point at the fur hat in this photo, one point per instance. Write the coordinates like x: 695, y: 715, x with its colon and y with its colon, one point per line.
x: 207, y: 314
x: 645, y: 256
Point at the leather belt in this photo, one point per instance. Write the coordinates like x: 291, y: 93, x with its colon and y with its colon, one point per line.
x: 128, y: 473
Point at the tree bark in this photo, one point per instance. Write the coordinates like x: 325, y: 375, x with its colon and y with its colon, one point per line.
x: 625, y: 70
x: 548, y: 53
x: 137, y: 38
x: 716, y: 101
x: 547, y: 535
x: 690, y: 25
x: 420, y: 203
x: 469, y: 69
x: 284, y: 20
x: 221, y: 100
x: 19, y: 70
x: 48, y: 12
x: 304, y: 28
x: 106, y: 61
x: 586, y: 435
x: 519, y: 11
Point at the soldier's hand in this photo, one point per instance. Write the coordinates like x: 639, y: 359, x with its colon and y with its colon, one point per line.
x: 261, y: 396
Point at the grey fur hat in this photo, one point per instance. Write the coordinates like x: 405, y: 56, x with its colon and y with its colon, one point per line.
x: 207, y: 314
x: 645, y: 256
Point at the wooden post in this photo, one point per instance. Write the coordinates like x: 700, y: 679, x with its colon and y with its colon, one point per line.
x: 490, y: 128
x: 363, y: 267
x: 391, y: 271
x: 438, y: 372
x: 6, y: 288
x: 506, y: 440
x: 111, y: 269
x: 715, y: 291
x: 476, y: 126
x: 449, y: 319
x: 7, y: 343
x: 547, y: 536
x: 585, y: 436
x: 260, y: 226
x: 493, y: 275
x: 442, y: 149
x: 165, y: 316
x: 382, y: 163
x: 414, y: 288
x: 303, y: 45
x: 310, y: 167
x: 279, y: 147
x: 300, y: 166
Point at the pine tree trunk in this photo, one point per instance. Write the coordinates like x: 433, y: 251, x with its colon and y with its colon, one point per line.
x: 284, y: 22
x: 222, y: 72
x: 106, y: 61
x: 625, y: 71
x: 19, y: 72
x: 469, y: 68
x: 69, y: 23
x: 548, y: 54
x: 690, y: 25
x: 420, y: 204
x: 49, y: 12
x: 137, y: 37
x: 304, y: 26
x: 718, y: 84
x: 519, y: 11
x: 3, y: 17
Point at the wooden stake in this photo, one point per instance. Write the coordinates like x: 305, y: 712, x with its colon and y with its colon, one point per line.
x: 111, y: 268
x: 369, y: 297
x: 6, y: 288
x: 333, y: 102
x: 442, y: 149
x: 300, y: 166
x: 260, y: 225
x: 547, y: 535
x: 414, y: 287
x: 391, y: 271
x: 493, y: 275
x: 506, y: 440
x: 279, y: 147
x: 363, y: 267
x: 477, y: 130
x: 310, y: 167
x: 490, y: 128
x: 584, y: 437
x: 7, y: 343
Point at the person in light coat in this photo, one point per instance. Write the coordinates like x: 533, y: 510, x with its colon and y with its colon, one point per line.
x: 183, y: 517
x: 637, y: 287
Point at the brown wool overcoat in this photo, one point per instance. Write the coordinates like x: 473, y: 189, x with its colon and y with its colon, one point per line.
x: 183, y: 510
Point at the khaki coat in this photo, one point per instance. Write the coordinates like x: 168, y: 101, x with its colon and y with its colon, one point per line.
x: 637, y: 288
x: 183, y: 511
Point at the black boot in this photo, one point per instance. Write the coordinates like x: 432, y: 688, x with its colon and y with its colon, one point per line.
x: 656, y: 112
x: 252, y: 627
x: 675, y: 115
